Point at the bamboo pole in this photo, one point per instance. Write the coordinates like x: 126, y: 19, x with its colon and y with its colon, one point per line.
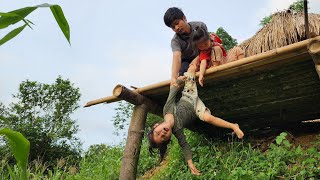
x: 314, y: 51
x: 131, y: 153
x: 306, y: 18
x: 280, y: 54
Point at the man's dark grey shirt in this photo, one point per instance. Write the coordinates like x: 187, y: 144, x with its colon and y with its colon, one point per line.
x: 183, y: 43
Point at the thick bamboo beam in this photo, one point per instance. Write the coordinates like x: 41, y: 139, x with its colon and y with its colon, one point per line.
x: 131, y: 153
x: 137, y: 99
x: 314, y: 51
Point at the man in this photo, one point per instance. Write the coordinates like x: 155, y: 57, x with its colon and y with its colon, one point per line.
x: 184, y: 51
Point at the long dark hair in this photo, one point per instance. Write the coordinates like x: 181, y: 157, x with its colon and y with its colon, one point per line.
x: 200, y: 35
x: 161, y: 147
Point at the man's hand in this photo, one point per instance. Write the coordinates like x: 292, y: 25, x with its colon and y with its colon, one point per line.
x: 201, y: 80
x: 179, y: 82
x: 182, y: 78
x: 193, y: 169
x: 173, y: 81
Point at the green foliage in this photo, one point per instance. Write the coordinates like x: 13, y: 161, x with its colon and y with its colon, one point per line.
x: 238, y: 160
x: 12, y: 34
x: 227, y: 40
x: 266, y: 20
x: 146, y: 161
x: 123, y: 113
x: 216, y: 160
x: 101, y: 162
x: 42, y: 114
x: 13, y: 17
x: 296, y: 7
x: 20, y: 148
x: 122, y: 117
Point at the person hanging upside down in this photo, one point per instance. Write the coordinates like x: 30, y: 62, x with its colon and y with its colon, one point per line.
x: 179, y: 115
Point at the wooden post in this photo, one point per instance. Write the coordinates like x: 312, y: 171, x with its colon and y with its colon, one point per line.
x: 306, y: 19
x: 314, y: 51
x: 131, y: 153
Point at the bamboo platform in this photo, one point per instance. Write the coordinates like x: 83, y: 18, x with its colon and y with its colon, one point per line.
x: 272, y: 88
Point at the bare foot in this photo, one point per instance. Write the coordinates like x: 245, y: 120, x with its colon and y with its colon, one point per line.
x: 238, y: 131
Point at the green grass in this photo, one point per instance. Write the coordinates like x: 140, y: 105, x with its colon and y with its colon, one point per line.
x: 215, y: 159
x: 238, y: 160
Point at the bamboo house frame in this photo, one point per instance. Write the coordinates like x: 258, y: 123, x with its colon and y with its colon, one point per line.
x: 277, y: 83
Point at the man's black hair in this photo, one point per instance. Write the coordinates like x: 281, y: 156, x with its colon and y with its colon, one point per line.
x: 200, y: 35
x: 171, y: 15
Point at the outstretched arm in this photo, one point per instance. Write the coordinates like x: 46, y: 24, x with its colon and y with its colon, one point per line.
x: 193, y: 169
x: 203, y: 66
x: 176, y: 64
x: 186, y: 151
x: 171, y: 101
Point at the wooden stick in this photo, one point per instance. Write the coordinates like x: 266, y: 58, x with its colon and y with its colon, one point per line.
x: 314, y: 51
x: 108, y: 99
x: 131, y: 152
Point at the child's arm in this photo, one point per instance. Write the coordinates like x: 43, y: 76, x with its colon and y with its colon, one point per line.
x: 203, y: 66
x: 186, y: 151
x: 193, y: 169
x: 174, y: 88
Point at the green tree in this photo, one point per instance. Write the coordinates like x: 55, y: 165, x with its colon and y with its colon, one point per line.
x: 123, y: 114
x: 227, y: 40
x: 42, y: 114
x: 295, y: 7
x: 266, y: 20
x: 122, y: 117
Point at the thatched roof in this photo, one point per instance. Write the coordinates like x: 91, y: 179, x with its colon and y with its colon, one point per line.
x: 285, y: 28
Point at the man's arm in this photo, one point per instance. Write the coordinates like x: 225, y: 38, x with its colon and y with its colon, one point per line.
x: 176, y: 64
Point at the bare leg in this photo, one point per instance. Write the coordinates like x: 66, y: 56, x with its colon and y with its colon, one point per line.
x: 207, y: 117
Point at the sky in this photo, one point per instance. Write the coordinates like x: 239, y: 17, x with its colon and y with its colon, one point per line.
x: 112, y: 42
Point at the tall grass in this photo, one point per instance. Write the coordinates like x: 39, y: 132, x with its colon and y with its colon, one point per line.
x: 238, y: 160
x: 215, y: 158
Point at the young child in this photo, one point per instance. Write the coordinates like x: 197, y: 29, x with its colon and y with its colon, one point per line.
x: 212, y: 52
x: 179, y: 115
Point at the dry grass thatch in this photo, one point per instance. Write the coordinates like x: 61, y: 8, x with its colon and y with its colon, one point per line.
x: 285, y: 28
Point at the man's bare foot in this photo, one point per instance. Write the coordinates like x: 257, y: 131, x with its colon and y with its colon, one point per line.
x: 238, y: 131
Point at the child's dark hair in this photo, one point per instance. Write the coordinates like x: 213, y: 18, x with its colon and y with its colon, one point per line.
x: 171, y: 15
x: 200, y: 35
x: 152, y: 145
